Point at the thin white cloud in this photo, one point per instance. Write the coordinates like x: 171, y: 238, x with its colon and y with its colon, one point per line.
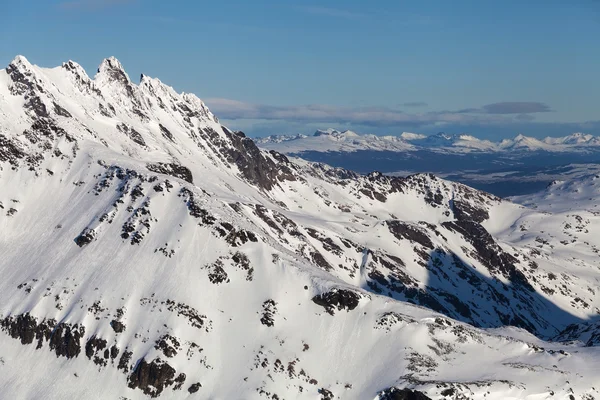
x: 511, y: 107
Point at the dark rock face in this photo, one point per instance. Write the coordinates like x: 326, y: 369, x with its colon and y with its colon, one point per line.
x: 117, y: 326
x: 402, y: 230
x: 131, y: 133
x: 152, y: 378
x: 402, y: 394
x: 124, y: 361
x: 166, y: 133
x: 23, y: 80
x: 194, y: 387
x: 46, y: 128
x: 172, y: 169
x: 66, y: 340
x: 85, y: 237
x: 25, y: 328
x: 340, y: 299
x: 113, y: 69
x: 169, y: 345
x: 465, y: 211
x: 326, y: 394
x: 63, y: 338
x: 10, y: 151
x: 96, y: 350
x: 61, y: 111
x: 269, y: 311
x: 194, y: 207
x: 252, y: 163
x: 488, y: 251
x: 233, y: 236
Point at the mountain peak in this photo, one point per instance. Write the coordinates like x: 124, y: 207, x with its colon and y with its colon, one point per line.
x: 326, y: 132
x: 520, y: 137
x: 110, y: 63
x: 20, y: 60
x: 20, y: 63
x: 111, y: 70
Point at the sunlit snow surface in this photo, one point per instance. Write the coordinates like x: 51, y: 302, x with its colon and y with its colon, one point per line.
x: 90, y: 235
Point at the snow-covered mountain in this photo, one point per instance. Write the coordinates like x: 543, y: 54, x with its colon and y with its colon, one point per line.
x: 332, y: 140
x: 147, y: 250
x: 347, y: 141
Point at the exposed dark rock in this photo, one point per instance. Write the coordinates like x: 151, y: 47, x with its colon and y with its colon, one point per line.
x: 269, y: 311
x: 466, y: 211
x: 404, y: 230
x: 131, y: 133
x: 152, y: 378
x: 258, y: 169
x: 242, y: 261
x: 113, y: 69
x: 172, y: 169
x: 114, y: 352
x: 66, y: 340
x: 318, y: 259
x: 234, y: 236
x: 488, y: 251
x: 61, y: 111
x: 194, y: 387
x: 326, y: 394
x: 124, y: 361
x: 169, y: 345
x: 10, y: 151
x: 340, y: 299
x: 217, y: 274
x: 326, y: 241
x: 21, y: 327
x: 191, y: 314
x: 179, y: 381
x: 402, y: 394
x: 194, y: 207
x: 93, y: 347
x: 85, y: 237
x: 166, y: 133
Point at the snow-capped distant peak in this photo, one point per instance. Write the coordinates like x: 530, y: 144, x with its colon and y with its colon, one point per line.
x: 412, y: 136
x: 408, y: 141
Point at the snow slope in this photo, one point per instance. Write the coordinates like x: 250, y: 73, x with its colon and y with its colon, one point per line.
x: 146, y: 250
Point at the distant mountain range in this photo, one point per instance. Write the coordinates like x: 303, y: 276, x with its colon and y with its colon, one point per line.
x: 332, y: 140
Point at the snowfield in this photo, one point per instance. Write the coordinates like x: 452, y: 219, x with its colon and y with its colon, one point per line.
x: 148, y: 251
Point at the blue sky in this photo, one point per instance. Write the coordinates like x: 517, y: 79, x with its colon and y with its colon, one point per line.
x: 489, y: 68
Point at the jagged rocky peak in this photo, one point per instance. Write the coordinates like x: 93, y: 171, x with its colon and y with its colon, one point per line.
x: 109, y: 64
x: 20, y: 70
x: 20, y: 61
x: 197, y: 103
x: 111, y: 70
x: 75, y: 68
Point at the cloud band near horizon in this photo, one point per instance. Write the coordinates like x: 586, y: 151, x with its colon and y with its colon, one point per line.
x: 503, y: 112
